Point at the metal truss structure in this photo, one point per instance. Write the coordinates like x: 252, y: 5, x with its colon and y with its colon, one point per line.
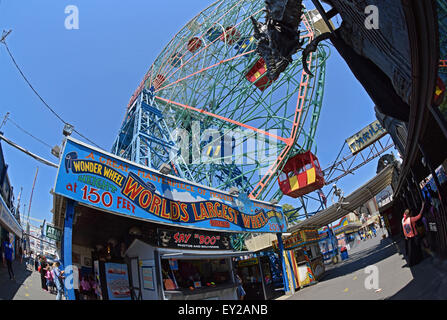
x: 317, y: 201
x: 352, y: 162
x: 145, y: 138
x: 209, y: 82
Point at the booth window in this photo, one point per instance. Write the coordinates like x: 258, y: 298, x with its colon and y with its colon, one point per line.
x: 266, y: 272
x: 182, y: 274
x: 250, y: 273
x: 283, y: 177
x: 299, y: 256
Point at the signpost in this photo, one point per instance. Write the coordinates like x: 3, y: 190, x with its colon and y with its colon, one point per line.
x: 366, y: 137
x: 53, y: 233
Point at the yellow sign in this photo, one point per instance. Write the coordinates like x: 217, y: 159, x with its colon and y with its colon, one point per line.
x: 366, y: 137
x: 247, y: 262
x: 298, y: 238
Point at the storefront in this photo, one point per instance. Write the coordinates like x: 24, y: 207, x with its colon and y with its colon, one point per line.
x: 10, y: 228
x: 144, y: 235
x: 305, y: 257
x: 328, y: 244
x: 183, y: 265
x: 261, y: 275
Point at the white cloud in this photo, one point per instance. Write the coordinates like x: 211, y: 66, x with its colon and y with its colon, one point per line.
x: 181, y: 196
x: 221, y: 200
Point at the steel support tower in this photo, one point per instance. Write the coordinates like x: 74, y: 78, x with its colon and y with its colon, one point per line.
x: 145, y: 138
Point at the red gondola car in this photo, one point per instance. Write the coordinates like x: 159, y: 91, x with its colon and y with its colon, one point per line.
x: 301, y: 174
x: 257, y: 75
x: 194, y: 44
x: 158, y: 81
x: 231, y: 35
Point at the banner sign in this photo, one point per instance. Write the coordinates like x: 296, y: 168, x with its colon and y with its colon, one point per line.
x: 53, y: 233
x: 8, y: 219
x: 440, y: 94
x: 366, y: 137
x: 247, y: 262
x: 192, y: 240
x: 298, y: 238
x: 109, y: 183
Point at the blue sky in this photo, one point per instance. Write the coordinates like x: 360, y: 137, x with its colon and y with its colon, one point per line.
x: 88, y: 76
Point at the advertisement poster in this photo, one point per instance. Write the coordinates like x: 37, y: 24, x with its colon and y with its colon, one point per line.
x: 97, y: 278
x: 148, y: 277
x: 117, y: 281
x: 366, y: 137
x: 109, y: 183
x: 440, y: 96
x: 193, y: 240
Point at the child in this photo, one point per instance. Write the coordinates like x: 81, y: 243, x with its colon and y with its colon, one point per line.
x: 92, y: 285
x: 49, y: 279
x: 85, y: 288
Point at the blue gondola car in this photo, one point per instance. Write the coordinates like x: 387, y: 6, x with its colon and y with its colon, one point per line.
x: 244, y: 45
x: 213, y: 33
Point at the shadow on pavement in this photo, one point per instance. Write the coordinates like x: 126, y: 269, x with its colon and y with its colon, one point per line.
x: 9, y: 288
x: 361, y: 259
x: 429, y: 279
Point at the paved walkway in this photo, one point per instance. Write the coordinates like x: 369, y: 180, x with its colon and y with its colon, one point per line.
x: 396, y: 281
x: 26, y: 286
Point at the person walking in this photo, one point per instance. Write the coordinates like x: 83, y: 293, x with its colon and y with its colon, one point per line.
x: 49, y: 279
x: 36, y: 262
x: 21, y: 254
x: 374, y: 231
x: 31, y: 260
x: 7, y: 257
x: 240, y: 289
x: 58, y: 278
x: 414, y: 252
x: 85, y: 288
x: 92, y: 282
x: 43, y: 271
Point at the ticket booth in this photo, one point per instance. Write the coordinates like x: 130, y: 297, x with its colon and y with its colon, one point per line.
x: 257, y: 278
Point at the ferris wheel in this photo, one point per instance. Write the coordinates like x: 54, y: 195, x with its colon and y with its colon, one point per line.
x: 210, y: 82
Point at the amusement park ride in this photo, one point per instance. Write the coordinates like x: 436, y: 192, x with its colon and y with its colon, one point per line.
x: 221, y: 74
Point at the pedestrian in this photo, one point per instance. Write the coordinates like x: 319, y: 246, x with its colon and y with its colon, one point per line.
x: 36, y: 262
x: 31, y: 260
x: 42, y: 269
x: 49, y: 279
x: 58, y: 279
x: 414, y: 252
x: 374, y: 231
x: 21, y: 254
x: 85, y: 288
x: 91, y: 280
x: 7, y: 257
x: 240, y: 289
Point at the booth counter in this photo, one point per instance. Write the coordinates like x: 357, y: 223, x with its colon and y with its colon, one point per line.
x: 175, y: 274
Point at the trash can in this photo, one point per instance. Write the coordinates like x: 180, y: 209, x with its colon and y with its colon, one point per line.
x: 344, y: 253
